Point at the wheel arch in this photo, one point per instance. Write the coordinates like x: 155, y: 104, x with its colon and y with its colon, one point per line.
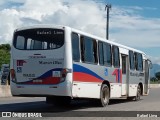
x: 141, y: 86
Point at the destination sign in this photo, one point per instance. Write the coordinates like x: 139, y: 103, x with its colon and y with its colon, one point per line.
x: 49, y: 32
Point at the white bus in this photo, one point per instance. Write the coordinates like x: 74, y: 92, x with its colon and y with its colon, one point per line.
x: 62, y: 63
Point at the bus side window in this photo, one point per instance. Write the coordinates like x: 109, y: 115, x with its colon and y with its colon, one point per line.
x: 100, y: 51
x: 131, y: 60
x: 107, y: 54
x: 116, y: 56
x: 88, y: 50
x: 75, y: 47
x: 139, y: 62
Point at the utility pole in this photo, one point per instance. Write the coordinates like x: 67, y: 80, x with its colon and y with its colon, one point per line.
x: 108, y: 6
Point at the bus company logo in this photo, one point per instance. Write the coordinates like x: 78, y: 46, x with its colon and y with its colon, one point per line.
x: 20, y: 115
x: 20, y: 62
x: 6, y: 114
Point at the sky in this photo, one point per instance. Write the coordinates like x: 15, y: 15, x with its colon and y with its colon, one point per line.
x: 134, y: 23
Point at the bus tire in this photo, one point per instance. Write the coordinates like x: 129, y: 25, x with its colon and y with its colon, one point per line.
x: 138, y: 95
x: 104, y: 95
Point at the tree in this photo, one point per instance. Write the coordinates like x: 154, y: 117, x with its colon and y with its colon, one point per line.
x: 6, y: 47
x: 157, y: 75
x: 154, y: 79
x: 4, y: 54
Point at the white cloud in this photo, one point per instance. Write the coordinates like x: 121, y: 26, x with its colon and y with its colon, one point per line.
x: 84, y: 15
x: 131, y: 29
x: 127, y: 26
x: 9, y: 21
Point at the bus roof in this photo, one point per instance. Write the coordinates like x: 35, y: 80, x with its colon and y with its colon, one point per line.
x: 80, y: 32
x: 41, y: 26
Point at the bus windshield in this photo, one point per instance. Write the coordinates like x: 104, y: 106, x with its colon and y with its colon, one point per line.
x: 39, y: 39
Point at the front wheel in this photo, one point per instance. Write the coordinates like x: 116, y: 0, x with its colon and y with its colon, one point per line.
x: 104, y: 95
x: 138, y: 96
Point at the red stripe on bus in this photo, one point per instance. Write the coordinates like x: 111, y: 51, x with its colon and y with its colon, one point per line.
x: 83, y: 77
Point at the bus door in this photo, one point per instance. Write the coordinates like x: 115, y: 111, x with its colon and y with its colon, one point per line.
x: 146, y: 77
x: 125, y: 68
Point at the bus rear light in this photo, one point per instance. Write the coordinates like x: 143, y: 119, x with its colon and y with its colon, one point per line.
x: 13, y: 75
x: 63, y: 74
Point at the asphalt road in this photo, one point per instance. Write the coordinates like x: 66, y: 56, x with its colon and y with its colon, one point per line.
x: 35, y: 104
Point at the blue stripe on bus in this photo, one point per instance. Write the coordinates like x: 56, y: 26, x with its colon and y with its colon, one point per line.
x: 79, y: 68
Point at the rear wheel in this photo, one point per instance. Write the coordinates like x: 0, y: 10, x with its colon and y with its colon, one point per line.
x: 104, y: 95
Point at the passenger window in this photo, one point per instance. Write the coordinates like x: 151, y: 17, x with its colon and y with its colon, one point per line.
x: 116, y: 56
x: 88, y: 50
x: 123, y: 64
x: 75, y: 47
x: 101, y: 57
x: 131, y: 59
x: 139, y: 62
x: 107, y: 54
